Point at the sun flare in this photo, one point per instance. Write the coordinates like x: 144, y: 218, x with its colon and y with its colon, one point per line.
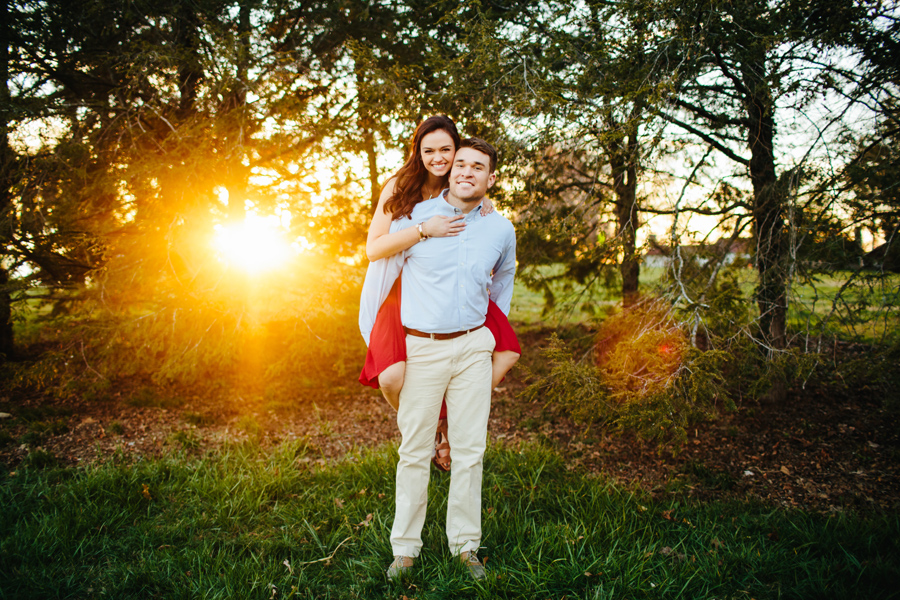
x: 256, y: 245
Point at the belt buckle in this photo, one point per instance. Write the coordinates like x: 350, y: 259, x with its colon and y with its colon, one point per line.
x: 431, y: 335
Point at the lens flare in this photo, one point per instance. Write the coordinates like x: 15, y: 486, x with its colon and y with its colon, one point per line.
x: 256, y: 246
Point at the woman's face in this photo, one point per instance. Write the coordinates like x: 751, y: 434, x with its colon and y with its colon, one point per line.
x: 437, y: 152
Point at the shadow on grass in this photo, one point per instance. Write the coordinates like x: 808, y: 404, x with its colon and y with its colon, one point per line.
x: 249, y: 523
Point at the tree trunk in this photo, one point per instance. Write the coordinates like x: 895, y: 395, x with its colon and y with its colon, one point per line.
x: 373, y: 170
x: 768, y: 205
x: 190, y: 71
x: 366, y: 128
x: 623, y: 163
x: 7, y: 162
x: 7, y: 345
x: 238, y: 173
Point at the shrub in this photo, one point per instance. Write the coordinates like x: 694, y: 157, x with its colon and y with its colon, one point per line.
x: 645, y: 375
x: 280, y: 338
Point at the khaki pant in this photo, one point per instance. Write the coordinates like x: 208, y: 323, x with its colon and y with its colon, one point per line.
x: 461, y: 369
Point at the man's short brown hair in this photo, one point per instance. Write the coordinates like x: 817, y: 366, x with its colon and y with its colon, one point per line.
x: 482, y: 146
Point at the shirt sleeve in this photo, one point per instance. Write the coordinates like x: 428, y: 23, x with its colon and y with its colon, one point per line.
x: 380, y: 278
x: 503, y: 277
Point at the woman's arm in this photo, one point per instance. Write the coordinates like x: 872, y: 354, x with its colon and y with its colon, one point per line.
x: 381, y: 243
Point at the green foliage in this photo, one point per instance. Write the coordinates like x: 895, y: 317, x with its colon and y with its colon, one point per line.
x: 250, y: 426
x: 115, y: 428
x: 147, y: 397
x: 6, y: 438
x: 186, y: 439
x: 198, y: 419
x: 576, y: 385
x: 646, y: 377
x: 39, y: 459
x: 872, y: 371
x: 248, y: 523
x: 292, y: 338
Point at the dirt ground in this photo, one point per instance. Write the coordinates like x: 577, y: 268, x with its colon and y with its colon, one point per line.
x: 818, y: 452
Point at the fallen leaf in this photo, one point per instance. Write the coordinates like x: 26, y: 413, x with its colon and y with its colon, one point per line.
x: 785, y: 470
x: 339, y: 503
x: 716, y: 544
x: 146, y: 491
x: 288, y: 565
x: 367, y: 521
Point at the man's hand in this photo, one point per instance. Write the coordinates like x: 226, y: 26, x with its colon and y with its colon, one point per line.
x: 443, y: 226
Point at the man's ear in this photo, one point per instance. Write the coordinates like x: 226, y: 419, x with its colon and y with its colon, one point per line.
x: 491, y: 179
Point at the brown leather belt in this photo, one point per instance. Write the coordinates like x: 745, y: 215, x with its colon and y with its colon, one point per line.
x: 440, y: 336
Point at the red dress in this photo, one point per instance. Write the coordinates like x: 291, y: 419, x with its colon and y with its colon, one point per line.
x: 387, y: 343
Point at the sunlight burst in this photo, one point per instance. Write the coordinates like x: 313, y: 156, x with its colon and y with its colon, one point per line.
x: 257, y: 245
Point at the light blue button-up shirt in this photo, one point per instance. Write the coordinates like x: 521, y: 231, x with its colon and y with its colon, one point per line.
x: 447, y: 281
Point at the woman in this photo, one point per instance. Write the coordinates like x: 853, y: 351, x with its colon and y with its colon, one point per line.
x: 424, y: 175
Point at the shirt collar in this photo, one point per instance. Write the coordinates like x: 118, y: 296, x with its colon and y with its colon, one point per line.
x: 454, y: 210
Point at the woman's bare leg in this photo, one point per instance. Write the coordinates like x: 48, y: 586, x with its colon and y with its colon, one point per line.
x: 391, y: 381
x: 501, y: 363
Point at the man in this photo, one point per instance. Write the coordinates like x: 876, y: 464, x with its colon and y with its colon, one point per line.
x: 446, y: 284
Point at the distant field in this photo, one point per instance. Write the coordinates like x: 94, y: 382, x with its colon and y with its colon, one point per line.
x: 868, y: 309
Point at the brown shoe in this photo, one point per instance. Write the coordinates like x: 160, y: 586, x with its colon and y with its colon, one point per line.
x: 470, y: 560
x: 400, y: 567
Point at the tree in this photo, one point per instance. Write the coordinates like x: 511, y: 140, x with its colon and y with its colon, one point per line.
x: 745, y: 64
x: 155, y: 109
x: 7, y: 165
x: 596, y: 73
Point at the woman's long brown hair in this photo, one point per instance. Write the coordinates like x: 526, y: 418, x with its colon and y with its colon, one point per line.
x: 412, y: 175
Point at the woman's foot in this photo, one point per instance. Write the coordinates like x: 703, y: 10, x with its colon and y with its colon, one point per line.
x: 441, y: 455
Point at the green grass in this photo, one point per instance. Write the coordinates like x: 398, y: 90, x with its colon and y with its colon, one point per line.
x: 869, y: 309
x: 236, y: 523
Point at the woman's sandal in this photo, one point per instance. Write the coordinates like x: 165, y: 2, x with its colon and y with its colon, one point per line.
x: 441, y: 455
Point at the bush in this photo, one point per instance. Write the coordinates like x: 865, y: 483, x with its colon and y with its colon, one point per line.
x: 279, y: 338
x: 645, y: 376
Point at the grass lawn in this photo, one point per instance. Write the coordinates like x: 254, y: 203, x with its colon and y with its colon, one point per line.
x: 868, y: 309
x: 249, y: 522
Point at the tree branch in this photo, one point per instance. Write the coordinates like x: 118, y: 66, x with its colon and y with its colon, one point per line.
x: 706, y: 138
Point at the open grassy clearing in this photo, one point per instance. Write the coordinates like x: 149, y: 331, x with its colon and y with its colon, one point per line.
x: 248, y: 522
x: 866, y: 311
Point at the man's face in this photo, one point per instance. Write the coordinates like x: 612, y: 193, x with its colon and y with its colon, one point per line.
x: 470, y: 177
